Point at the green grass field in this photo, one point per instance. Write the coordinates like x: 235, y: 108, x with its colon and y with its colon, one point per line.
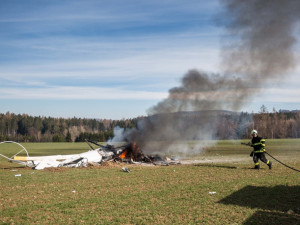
x: 178, y: 194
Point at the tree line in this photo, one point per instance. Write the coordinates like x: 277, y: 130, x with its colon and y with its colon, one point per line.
x: 270, y: 125
x: 25, y: 128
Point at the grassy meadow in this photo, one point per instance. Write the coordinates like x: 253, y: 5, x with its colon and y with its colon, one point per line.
x: 220, y: 191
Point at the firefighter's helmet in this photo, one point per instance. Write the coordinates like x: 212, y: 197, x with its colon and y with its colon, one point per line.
x: 253, y: 132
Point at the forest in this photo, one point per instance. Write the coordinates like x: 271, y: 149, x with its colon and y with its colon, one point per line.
x: 230, y: 125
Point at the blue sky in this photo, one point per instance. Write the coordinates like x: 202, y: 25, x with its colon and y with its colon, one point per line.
x: 111, y: 59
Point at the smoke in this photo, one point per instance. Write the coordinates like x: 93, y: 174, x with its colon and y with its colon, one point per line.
x: 259, y: 47
x: 161, y: 133
x: 118, y: 135
x: 262, y: 37
x: 202, y: 91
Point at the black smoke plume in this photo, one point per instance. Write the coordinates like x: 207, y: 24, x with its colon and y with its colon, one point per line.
x: 261, y: 34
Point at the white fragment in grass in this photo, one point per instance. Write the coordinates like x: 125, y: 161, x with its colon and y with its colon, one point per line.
x: 18, y: 175
x: 74, y: 191
x: 126, y: 170
x: 212, y: 192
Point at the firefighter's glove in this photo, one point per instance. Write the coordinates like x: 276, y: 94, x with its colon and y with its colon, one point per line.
x: 251, y: 154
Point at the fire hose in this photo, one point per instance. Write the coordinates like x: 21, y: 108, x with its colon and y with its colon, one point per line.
x: 275, y: 159
x: 282, y: 163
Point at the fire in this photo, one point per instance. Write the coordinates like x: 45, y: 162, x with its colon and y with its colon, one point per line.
x: 132, y: 153
x: 123, y: 155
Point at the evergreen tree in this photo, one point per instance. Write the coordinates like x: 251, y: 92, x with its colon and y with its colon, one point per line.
x: 68, y: 137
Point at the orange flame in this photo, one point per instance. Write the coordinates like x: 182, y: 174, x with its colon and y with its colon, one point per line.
x: 123, y: 155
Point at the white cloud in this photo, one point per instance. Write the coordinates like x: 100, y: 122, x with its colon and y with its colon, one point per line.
x: 91, y: 93
x: 139, y: 59
x: 285, y: 94
x: 108, y: 50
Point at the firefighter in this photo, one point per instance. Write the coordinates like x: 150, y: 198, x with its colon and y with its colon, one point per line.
x: 258, y: 144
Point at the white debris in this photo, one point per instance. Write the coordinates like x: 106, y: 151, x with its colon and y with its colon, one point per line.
x: 18, y: 175
x: 39, y: 165
x: 94, y: 156
x: 212, y: 192
x: 126, y: 169
x: 75, y: 160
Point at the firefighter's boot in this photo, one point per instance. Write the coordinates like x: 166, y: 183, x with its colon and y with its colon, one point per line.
x: 270, y: 165
x: 256, y: 166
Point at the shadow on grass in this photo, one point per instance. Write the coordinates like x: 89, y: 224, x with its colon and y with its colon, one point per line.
x: 216, y: 166
x: 272, y: 218
x: 279, y: 198
x: 252, y: 168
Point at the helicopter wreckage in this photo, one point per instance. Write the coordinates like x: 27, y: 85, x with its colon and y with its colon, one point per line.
x: 129, y: 153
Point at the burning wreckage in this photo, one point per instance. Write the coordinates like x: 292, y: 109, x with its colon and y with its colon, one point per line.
x: 129, y: 153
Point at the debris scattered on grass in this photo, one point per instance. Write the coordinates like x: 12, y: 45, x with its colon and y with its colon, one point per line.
x: 212, y: 192
x: 126, y: 170
x: 129, y: 153
x: 18, y: 175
